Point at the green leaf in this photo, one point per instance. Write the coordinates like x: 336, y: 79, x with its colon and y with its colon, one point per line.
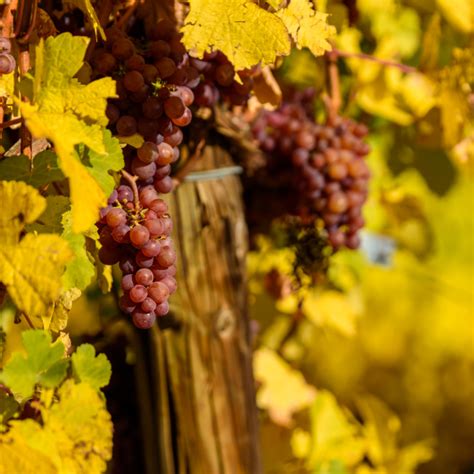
x: 45, y: 169
x: 244, y: 32
x: 98, y: 165
x: 80, y: 270
x: 308, y: 28
x: 8, y: 407
x: 69, y: 113
x: 43, y: 364
x: 21, y: 204
x: 89, y: 368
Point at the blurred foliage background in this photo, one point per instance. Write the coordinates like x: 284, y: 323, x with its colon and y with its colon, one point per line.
x: 372, y: 370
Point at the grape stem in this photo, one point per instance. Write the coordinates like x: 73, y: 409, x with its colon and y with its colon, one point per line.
x: 122, y: 23
x: 132, y: 180
x: 190, y: 163
x: 368, y: 57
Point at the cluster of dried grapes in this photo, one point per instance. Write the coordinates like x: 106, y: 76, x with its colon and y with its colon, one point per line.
x: 219, y: 83
x: 321, y: 167
x: 154, y: 88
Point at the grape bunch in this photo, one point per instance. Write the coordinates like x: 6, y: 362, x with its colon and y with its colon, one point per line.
x: 135, y: 232
x: 219, y: 83
x: 154, y: 88
x: 320, y: 167
x: 7, y: 61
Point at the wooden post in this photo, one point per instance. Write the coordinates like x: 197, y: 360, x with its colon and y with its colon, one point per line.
x: 201, y: 375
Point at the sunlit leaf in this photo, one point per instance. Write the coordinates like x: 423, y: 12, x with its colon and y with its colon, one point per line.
x: 43, y: 364
x: 69, y: 113
x: 244, y: 32
x: 284, y: 390
x: 308, y: 28
x: 32, y: 270
x: 89, y: 368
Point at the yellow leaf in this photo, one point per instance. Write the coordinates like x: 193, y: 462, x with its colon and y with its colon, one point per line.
x: 32, y: 269
x: 62, y: 307
x: 76, y: 433
x: 331, y: 308
x: 334, y: 435
x: 308, y: 28
x: 21, y: 204
x: 381, y: 427
x: 17, y: 456
x: 244, y: 32
x: 69, y: 113
x: 418, y: 93
x: 284, y: 390
x: 459, y: 13
x: 300, y: 443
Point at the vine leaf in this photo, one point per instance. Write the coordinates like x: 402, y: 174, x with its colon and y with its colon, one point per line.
x: 80, y: 270
x: 244, y: 32
x: 17, y: 456
x: 32, y: 268
x: 100, y: 164
x: 89, y: 368
x: 308, y: 28
x: 335, y: 435
x: 43, y: 364
x: 45, y: 169
x: 70, y: 113
x: 460, y: 13
x: 284, y: 390
x: 62, y: 307
x: 21, y: 204
x: 75, y: 436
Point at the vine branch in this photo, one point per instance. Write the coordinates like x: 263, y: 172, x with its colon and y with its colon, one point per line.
x: 384, y: 62
x: 335, y: 98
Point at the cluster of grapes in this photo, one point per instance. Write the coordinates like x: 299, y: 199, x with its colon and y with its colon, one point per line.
x: 154, y: 88
x: 7, y: 61
x: 219, y: 81
x: 135, y: 232
x: 321, y: 165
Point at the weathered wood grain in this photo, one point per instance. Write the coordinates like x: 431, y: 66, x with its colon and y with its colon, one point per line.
x: 206, y: 417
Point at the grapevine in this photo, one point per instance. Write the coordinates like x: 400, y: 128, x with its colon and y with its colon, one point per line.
x: 320, y: 167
